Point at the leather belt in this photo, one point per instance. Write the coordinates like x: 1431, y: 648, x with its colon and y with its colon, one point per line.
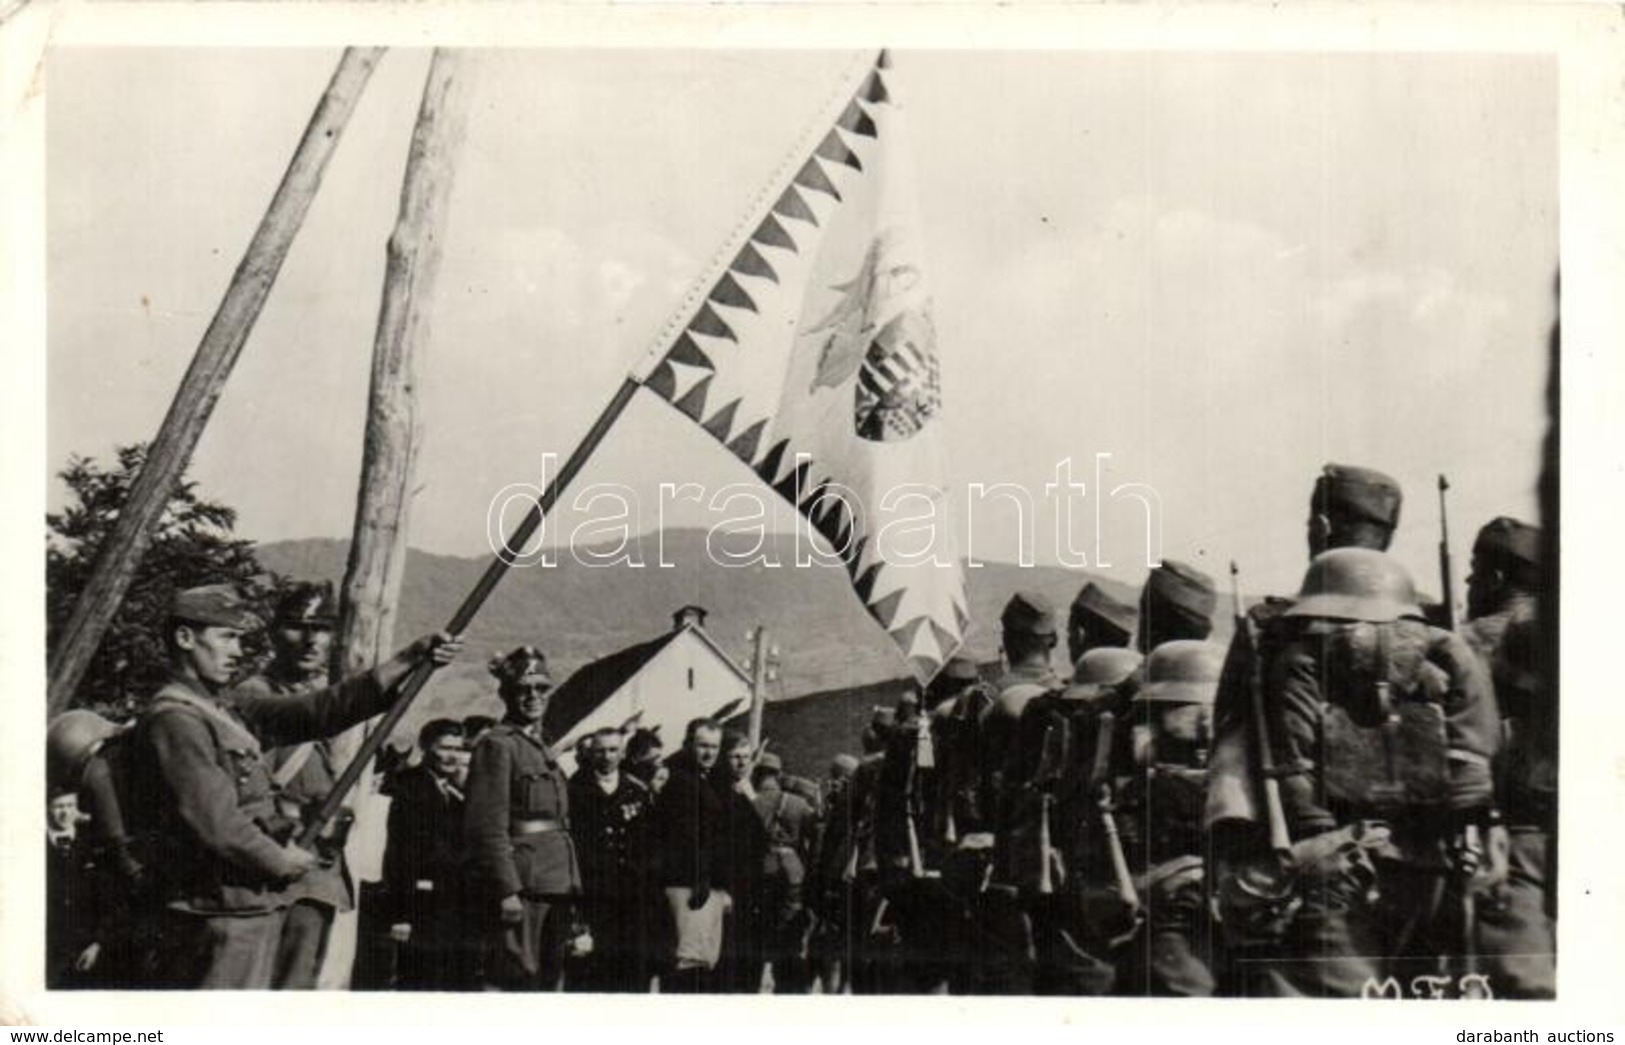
x: 534, y: 827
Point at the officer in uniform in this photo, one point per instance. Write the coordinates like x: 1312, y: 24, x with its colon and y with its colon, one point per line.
x: 423, y: 865
x: 1517, y: 937
x: 1159, y: 809
x: 1382, y: 730
x: 1097, y: 621
x: 610, y: 818
x: 222, y: 864
x: 302, y: 653
x: 790, y: 823
x: 1177, y: 602
x: 516, y: 822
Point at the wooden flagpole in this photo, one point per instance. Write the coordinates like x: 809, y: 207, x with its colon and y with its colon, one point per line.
x: 378, y: 546
x: 205, y: 379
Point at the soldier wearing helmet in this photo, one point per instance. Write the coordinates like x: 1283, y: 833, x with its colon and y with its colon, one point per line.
x: 222, y: 861
x: 1177, y: 602
x: 1048, y: 839
x: 1383, y: 731
x: 1158, y: 804
x: 521, y: 857
x: 1516, y: 934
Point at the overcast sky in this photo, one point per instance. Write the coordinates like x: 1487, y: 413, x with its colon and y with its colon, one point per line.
x: 1223, y: 270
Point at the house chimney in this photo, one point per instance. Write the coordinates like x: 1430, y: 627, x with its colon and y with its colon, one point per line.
x: 689, y: 614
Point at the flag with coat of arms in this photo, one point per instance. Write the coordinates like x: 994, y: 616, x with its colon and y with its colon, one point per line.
x: 812, y: 357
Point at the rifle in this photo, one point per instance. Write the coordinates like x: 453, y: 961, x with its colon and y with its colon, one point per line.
x: 1468, y: 855
x: 1051, y: 762
x: 1445, y: 581
x: 1280, y: 836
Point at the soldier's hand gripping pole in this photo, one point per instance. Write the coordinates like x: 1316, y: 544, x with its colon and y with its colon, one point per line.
x: 511, y: 550
x: 1275, y: 811
x: 1446, y: 583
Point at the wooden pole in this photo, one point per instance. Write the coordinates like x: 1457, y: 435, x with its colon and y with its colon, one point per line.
x: 378, y: 548
x: 205, y: 379
x: 377, y: 560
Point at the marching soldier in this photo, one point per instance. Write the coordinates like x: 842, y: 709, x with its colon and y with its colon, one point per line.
x: 302, y: 653
x: 1516, y: 935
x: 1160, y: 814
x: 1097, y: 621
x: 789, y: 822
x: 1381, y: 729
x: 1177, y: 602
x: 1349, y: 507
x: 688, y: 823
x: 1001, y: 926
x: 222, y: 862
x: 610, y: 816
x: 516, y: 821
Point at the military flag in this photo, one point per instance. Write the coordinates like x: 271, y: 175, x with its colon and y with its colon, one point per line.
x: 812, y: 357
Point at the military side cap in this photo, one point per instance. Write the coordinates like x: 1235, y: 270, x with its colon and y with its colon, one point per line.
x: 520, y: 663
x: 771, y: 762
x: 1357, y: 584
x: 214, y: 605
x: 1183, y: 671
x: 843, y: 765
x: 1094, y: 601
x: 1348, y: 492
x: 1509, y: 545
x: 311, y: 605
x: 1181, y: 586
x: 1028, y: 613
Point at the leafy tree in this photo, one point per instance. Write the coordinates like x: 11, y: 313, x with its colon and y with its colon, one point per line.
x: 194, y: 545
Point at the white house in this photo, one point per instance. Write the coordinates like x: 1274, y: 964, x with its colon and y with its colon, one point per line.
x: 663, y: 683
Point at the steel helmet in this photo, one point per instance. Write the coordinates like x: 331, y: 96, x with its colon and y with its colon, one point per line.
x: 69, y: 741
x: 1103, y: 667
x: 1356, y: 584
x: 1182, y: 671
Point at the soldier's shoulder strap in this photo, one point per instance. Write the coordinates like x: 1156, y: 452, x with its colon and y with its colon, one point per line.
x: 227, y: 731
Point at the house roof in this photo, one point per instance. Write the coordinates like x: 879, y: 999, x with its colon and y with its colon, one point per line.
x: 594, y: 683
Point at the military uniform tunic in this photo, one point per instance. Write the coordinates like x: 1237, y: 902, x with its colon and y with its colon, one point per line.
x: 210, y: 804
x: 516, y: 824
